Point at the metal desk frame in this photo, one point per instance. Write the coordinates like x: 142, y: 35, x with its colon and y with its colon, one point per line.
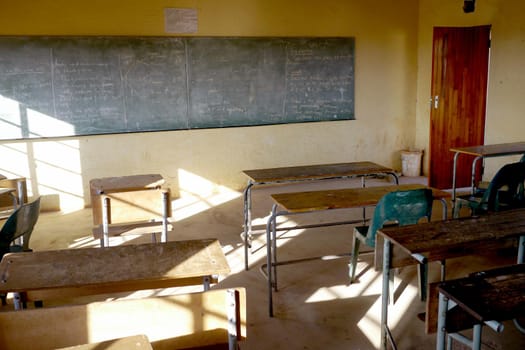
x: 323, y: 201
x: 477, y: 309
x: 275, y: 176
x: 448, y: 241
x: 481, y: 152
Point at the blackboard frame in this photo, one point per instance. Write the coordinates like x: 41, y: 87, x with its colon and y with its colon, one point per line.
x: 76, y: 86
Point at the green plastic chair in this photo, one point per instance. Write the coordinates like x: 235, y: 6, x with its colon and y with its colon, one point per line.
x: 505, y: 191
x: 401, y: 208
x: 19, y: 224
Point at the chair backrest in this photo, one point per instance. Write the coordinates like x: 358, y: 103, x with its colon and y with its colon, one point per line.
x: 505, y: 190
x: 19, y: 224
x: 402, y: 208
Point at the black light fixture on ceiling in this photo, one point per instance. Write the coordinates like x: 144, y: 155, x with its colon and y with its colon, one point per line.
x: 469, y: 6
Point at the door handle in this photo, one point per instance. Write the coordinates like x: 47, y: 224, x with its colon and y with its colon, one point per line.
x: 436, y: 102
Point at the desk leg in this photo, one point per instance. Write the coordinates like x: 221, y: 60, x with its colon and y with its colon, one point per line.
x: 247, y: 196
x: 442, y: 315
x: 444, y: 206
x: 233, y: 320
x: 385, y: 293
x: 270, y: 231
x: 206, y: 282
x: 165, y: 206
x: 17, y: 301
x: 363, y: 185
x: 396, y: 179
x: 106, y: 215
x: 454, y: 172
x: 521, y: 250
x: 476, y: 337
x: 473, y: 178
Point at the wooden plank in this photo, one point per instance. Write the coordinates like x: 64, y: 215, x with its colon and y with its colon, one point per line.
x: 131, y: 228
x: 126, y: 183
x: 318, y: 171
x: 490, y: 295
x: 170, y: 322
x: 133, y: 342
x: 431, y: 311
x: 297, y: 202
x: 6, y: 200
x: 501, y: 149
x: 138, y: 265
x: 458, y: 237
x: 137, y: 205
x: 110, y: 288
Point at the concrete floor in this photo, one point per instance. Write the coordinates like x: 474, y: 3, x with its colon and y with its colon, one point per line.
x: 315, y: 307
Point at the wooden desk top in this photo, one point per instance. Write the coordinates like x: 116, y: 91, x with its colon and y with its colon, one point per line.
x: 297, y: 202
x: 126, y: 183
x: 455, y: 237
x: 501, y: 149
x: 134, y: 342
x: 6, y: 190
x: 319, y: 171
x: 141, y: 263
x: 495, y: 294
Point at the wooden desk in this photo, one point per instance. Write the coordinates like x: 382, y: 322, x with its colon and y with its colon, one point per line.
x: 441, y: 240
x: 133, y: 342
x: 303, y: 173
x: 135, y: 204
x: 483, y: 298
x: 480, y: 152
x: 314, y: 201
x: 13, y: 193
x: 89, y: 271
x: 213, y: 319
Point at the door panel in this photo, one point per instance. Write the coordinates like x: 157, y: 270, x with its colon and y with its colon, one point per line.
x: 459, y: 88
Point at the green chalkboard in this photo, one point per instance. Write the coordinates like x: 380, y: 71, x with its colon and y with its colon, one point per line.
x: 67, y: 86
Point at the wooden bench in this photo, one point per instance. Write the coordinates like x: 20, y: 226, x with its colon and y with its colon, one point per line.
x: 64, y: 273
x: 13, y: 192
x: 215, y: 319
x: 134, y: 342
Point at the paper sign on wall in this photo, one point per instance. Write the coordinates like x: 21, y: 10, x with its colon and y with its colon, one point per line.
x: 180, y: 20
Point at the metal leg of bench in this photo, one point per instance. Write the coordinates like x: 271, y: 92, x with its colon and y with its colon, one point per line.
x: 165, y: 206
x: 106, y: 214
x: 233, y: 320
x: 247, y: 196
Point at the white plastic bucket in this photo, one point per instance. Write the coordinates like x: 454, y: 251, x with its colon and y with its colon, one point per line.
x: 411, y: 163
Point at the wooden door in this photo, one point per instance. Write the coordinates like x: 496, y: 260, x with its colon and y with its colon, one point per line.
x: 458, y: 100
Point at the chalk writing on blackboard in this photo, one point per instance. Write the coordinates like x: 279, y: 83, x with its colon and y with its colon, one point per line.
x: 100, y: 85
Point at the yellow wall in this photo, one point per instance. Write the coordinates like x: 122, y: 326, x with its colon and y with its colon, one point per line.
x: 393, y: 71
x: 385, y: 64
x: 505, y: 99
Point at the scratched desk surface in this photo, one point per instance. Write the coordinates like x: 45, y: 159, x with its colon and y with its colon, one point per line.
x: 449, y: 238
x: 496, y: 294
x: 316, y: 171
x: 342, y: 198
x: 140, y: 263
x: 492, y: 150
x: 126, y: 183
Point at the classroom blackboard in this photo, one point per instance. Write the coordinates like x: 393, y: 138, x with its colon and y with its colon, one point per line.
x: 68, y: 86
